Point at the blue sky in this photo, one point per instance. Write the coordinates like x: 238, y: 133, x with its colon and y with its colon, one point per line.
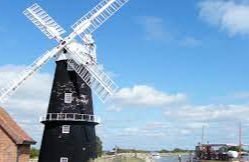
x: 180, y: 65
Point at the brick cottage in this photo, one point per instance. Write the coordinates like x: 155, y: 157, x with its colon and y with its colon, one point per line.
x: 14, y: 142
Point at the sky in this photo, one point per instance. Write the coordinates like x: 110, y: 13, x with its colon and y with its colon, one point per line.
x: 180, y: 65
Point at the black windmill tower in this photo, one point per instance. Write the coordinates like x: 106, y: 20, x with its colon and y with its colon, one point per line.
x: 69, y: 134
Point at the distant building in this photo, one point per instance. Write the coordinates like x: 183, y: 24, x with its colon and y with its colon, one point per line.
x: 14, y: 142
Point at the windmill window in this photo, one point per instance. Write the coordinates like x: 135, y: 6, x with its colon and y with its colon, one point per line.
x: 69, y: 68
x: 64, y: 159
x: 66, y: 129
x: 68, y: 98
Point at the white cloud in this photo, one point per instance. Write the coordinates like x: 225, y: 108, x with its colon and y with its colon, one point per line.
x: 231, y: 16
x: 143, y: 96
x: 142, y: 131
x: 196, y: 125
x: 30, y: 101
x: 154, y: 28
x: 221, y: 122
x: 209, y: 113
x: 182, y: 122
x: 157, y: 125
x: 157, y: 129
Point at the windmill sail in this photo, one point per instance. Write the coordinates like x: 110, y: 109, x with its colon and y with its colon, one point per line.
x: 43, y: 21
x: 97, y: 16
x: 69, y: 132
x: 102, y: 85
x: 12, y: 86
x: 95, y: 78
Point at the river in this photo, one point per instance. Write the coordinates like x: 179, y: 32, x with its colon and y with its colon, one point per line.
x: 184, y: 158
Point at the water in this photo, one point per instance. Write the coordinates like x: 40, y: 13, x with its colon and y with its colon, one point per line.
x: 184, y: 159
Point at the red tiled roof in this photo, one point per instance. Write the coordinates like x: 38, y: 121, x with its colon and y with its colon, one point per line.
x: 13, y: 130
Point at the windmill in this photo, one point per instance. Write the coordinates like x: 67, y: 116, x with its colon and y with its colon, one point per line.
x: 69, y: 134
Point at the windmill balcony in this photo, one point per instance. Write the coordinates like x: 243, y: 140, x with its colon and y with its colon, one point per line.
x: 70, y: 117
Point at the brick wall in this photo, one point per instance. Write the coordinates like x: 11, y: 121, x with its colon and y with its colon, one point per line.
x: 24, y: 151
x: 8, y: 148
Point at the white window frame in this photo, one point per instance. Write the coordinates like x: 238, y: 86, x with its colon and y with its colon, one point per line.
x: 66, y: 129
x: 69, y: 68
x: 63, y: 159
x: 68, y: 97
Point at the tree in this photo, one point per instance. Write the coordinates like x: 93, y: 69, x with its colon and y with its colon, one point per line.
x: 235, y: 148
x: 177, y: 150
x: 34, y: 153
x: 164, y: 151
x: 99, y: 146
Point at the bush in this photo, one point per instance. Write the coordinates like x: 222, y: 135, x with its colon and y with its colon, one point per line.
x: 34, y: 153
